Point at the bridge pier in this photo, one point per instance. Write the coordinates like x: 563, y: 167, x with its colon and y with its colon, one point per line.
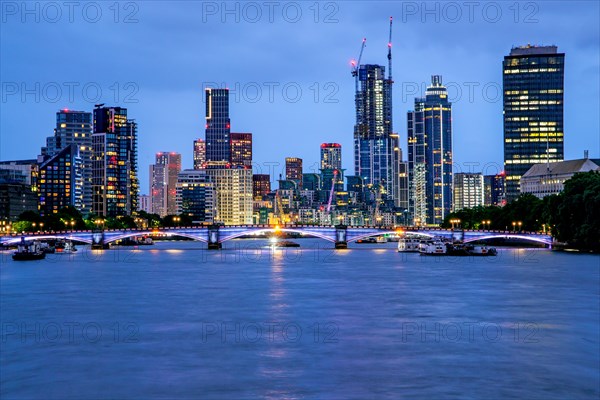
x: 341, y: 235
x: 213, y: 238
x: 98, y: 240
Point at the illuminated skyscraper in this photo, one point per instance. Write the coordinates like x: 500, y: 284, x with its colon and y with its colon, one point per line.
x: 430, y: 156
x: 468, y: 190
x: 533, y: 78
x: 196, y: 195
x: 199, y: 153
x: 261, y: 185
x: 115, y: 185
x: 293, y: 170
x: 241, y: 150
x: 331, y: 156
x: 163, y: 175
x: 374, y: 158
x: 75, y: 127
x: 61, y: 181
x: 218, y: 147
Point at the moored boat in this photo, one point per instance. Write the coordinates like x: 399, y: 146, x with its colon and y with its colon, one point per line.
x: 28, y: 251
x: 408, y: 245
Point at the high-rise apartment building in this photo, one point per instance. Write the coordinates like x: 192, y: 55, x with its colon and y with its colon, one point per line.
x: 261, y: 186
x: 199, y: 154
x: 374, y: 158
x: 241, y: 150
x: 61, y: 181
x: 115, y: 185
x: 494, y: 189
x: 468, y: 190
x: 74, y: 127
x: 430, y: 156
x: 233, y: 188
x: 164, y: 182
x: 533, y: 84
x: 293, y: 170
x: 196, y: 195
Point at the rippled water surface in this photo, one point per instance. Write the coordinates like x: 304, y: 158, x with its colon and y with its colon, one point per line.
x: 176, y: 321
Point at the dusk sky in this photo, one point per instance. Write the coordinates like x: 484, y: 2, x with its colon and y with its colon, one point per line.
x: 155, y: 58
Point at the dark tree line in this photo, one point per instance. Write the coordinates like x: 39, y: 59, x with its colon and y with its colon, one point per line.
x: 572, y: 217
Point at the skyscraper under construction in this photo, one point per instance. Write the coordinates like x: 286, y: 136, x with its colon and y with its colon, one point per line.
x: 376, y: 151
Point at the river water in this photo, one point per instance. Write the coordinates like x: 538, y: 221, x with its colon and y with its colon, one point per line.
x: 176, y: 321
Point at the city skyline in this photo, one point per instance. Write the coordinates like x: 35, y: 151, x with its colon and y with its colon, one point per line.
x: 183, y: 96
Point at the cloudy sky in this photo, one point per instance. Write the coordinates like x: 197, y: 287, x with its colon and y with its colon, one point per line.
x: 287, y: 66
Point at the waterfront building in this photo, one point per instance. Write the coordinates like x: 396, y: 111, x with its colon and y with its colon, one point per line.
x: 430, y: 156
x: 468, y: 190
x: 374, y: 143
x: 196, y: 195
x: 494, y: 188
x: 60, y: 181
x: 549, y: 178
x: 115, y: 185
x: 233, y: 187
x: 74, y: 127
x: 16, y: 194
x: 163, y: 175
x: 533, y: 87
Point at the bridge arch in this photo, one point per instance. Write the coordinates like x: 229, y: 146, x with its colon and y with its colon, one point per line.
x: 265, y: 230
x: 110, y: 239
x: 17, y: 239
x: 379, y: 233
x: 541, y: 240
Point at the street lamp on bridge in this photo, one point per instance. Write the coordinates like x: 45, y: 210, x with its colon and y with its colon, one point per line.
x: 454, y: 222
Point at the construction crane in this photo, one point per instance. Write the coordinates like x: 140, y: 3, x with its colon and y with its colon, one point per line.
x: 335, y: 172
x: 356, y: 63
x: 389, y: 56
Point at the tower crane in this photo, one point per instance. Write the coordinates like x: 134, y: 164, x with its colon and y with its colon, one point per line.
x: 389, y: 55
x: 356, y: 63
x: 335, y: 172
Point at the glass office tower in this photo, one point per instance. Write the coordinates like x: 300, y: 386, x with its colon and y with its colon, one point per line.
x: 533, y: 79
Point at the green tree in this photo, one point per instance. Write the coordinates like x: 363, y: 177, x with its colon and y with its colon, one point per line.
x: 578, y: 219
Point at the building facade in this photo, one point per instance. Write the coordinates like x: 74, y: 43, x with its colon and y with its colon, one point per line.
x: 533, y: 84
x: 164, y: 182
x: 546, y: 179
x: 196, y: 195
x: 75, y: 127
x: 233, y: 188
x: 430, y: 156
x: 374, y: 143
x: 199, y: 154
x: 261, y: 186
x: 468, y: 190
x: 115, y: 185
x: 218, y: 128
x: 494, y: 190
x: 293, y: 170
x: 241, y: 150
x: 61, y: 181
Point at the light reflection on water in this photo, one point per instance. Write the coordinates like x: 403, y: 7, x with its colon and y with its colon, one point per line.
x: 252, y: 321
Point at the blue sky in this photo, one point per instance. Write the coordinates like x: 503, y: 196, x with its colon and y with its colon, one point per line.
x: 287, y: 64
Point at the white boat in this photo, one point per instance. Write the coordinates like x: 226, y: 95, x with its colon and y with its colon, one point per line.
x: 66, y: 247
x: 482, y: 251
x: 433, y: 248
x: 408, y: 245
x: 381, y: 239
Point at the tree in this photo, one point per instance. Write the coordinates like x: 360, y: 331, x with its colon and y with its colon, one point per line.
x: 578, y: 219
